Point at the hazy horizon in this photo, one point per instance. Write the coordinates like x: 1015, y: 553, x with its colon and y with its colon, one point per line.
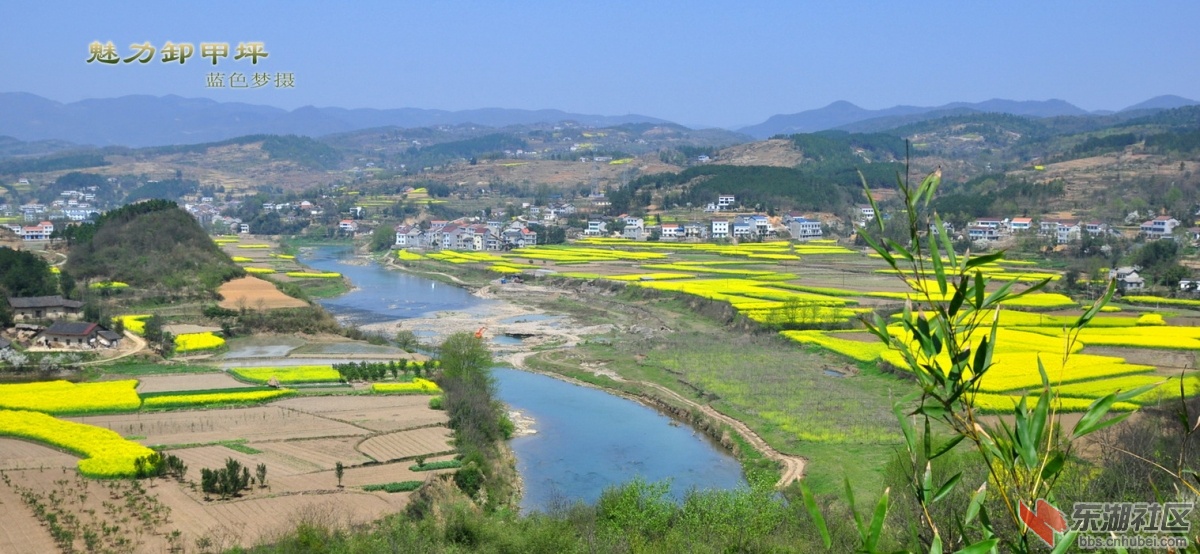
x: 698, y: 64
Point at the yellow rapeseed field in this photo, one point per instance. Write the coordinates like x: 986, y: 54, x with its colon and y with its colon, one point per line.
x: 106, y: 453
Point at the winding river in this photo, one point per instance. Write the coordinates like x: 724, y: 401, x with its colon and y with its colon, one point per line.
x: 586, y: 439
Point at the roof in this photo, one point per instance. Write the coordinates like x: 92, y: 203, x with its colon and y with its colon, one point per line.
x: 71, y: 328
x: 109, y: 335
x: 43, y: 302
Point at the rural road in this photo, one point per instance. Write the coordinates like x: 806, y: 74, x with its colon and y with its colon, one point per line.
x: 793, y: 466
x: 139, y: 344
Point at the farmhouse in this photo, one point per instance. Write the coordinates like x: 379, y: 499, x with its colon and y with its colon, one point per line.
x: 1018, y: 224
x: 802, y: 228
x: 1159, y: 227
x: 595, y: 227
x: 69, y: 333
x: 720, y: 229
x: 44, y: 307
x: 1127, y: 278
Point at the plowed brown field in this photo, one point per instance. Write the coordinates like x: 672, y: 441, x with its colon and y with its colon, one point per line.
x: 255, y: 294
x: 300, y: 440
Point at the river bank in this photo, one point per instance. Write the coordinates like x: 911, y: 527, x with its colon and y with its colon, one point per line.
x: 627, y: 441
x: 528, y: 310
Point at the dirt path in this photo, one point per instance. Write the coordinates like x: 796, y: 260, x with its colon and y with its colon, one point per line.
x: 139, y: 344
x: 792, y: 466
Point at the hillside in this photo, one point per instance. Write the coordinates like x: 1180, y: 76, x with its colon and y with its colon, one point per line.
x: 150, y: 244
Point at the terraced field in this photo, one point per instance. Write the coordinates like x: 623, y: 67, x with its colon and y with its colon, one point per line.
x: 300, y: 440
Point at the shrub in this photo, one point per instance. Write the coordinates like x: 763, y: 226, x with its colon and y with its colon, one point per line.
x: 398, y: 486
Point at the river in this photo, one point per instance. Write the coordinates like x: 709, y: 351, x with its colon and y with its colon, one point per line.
x: 586, y: 439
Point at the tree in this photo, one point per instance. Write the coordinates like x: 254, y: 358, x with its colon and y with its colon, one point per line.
x: 6, y: 313
x: 407, y: 341
x: 23, y: 274
x: 462, y: 355
x: 66, y: 283
x: 339, y: 470
x: 153, y: 329
x: 261, y: 473
x: 382, y: 238
x: 947, y: 343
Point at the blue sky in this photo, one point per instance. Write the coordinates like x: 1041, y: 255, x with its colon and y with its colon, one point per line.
x: 712, y: 63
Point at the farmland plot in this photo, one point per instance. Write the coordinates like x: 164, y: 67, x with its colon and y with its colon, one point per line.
x: 203, y: 381
x: 405, y: 444
x: 253, y: 424
x: 377, y: 413
x: 19, y: 454
x: 22, y: 532
x: 319, y: 454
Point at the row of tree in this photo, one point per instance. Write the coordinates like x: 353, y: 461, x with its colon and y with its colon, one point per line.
x: 378, y: 371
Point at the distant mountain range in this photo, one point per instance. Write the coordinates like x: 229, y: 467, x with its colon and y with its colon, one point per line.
x: 847, y: 116
x: 164, y: 120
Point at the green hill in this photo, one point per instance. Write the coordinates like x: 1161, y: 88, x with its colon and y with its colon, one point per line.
x: 147, y: 244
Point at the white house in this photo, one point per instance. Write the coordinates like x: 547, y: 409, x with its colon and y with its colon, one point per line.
x: 762, y: 224
x: 977, y: 232
x: 742, y: 228
x: 720, y: 229
x: 1018, y: 224
x: 596, y: 227
x: 803, y: 229
x: 1127, y: 278
x: 1159, y: 227
x: 724, y: 201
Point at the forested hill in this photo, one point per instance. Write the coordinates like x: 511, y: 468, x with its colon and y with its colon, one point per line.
x: 148, y: 244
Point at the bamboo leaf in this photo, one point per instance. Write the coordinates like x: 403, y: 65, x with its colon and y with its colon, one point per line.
x: 1099, y: 303
x: 957, y: 300
x: 977, y: 261
x: 945, y: 447
x: 810, y: 504
x: 926, y: 485
x: 876, y: 531
x: 939, y: 271
x: 1093, y: 420
x: 980, y: 290
x: 980, y: 547
x: 887, y: 256
x: 1002, y: 293
x: 902, y: 251
x: 936, y: 546
x: 905, y: 426
x: 862, y: 530
x: 1065, y: 543
x: 1053, y: 466
x: 976, y: 503
x: 871, y: 199
x: 945, y: 238
x: 947, y: 487
x: 1126, y: 396
x: 930, y: 185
